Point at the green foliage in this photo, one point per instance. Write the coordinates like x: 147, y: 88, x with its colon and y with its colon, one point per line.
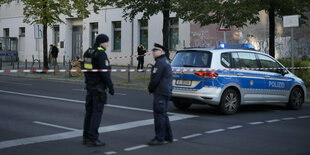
x: 148, y: 7
x: 237, y: 12
x: 304, y: 74
x: 48, y: 12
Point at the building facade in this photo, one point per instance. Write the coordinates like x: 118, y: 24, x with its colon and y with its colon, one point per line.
x: 75, y: 35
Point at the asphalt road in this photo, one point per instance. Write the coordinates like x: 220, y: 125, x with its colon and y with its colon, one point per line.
x: 46, y: 117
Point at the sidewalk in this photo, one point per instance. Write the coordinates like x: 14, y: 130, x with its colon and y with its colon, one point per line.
x: 138, y: 80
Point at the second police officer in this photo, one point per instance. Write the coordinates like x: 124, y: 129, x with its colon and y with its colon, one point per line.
x: 97, y: 84
x: 161, y: 88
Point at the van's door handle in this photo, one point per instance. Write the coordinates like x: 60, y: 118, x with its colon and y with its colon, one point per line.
x: 240, y: 74
x: 267, y: 77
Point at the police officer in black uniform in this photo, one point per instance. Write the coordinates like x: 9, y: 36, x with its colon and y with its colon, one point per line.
x: 97, y: 84
x: 161, y: 87
x: 141, y: 52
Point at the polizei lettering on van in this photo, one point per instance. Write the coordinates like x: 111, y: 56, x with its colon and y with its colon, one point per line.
x: 276, y: 84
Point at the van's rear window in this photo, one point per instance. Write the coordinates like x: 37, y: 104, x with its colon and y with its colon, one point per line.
x: 192, y: 59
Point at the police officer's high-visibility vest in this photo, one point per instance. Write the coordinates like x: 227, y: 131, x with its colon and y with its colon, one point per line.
x: 87, y: 58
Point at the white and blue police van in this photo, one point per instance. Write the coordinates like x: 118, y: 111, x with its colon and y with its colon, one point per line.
x: 230, y: 76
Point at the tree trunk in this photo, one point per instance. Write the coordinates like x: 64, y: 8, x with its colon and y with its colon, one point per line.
x: 45, y: 60
x: 271, y: 31
x: 166, y: 14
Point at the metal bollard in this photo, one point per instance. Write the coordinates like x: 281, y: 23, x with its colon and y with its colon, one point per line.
x: 1, y: 63
x: 17, y: 63
x: 64, y: 61
x: 39, y: 64
x: 128, y: 72
x: 25, y: 63
x: 70, y: 67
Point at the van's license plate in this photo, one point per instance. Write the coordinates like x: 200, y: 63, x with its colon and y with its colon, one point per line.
x: 183, y: 82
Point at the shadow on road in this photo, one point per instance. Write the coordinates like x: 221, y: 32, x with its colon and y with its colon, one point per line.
x: 211, y: 111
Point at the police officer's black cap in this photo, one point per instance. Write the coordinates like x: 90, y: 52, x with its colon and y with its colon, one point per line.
x: 156, y: 49
x: 161, y: 47
x: 102, y: 38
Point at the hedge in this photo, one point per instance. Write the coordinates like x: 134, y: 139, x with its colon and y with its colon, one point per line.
x: 304, y: 74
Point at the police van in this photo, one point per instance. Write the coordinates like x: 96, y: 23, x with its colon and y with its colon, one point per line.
x: 230, y: 76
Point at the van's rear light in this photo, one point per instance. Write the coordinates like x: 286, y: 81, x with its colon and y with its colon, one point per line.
x: 207, y: 74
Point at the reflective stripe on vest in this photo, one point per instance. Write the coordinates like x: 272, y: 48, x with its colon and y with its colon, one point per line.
x: 88, y: 66
x: 100, y: 48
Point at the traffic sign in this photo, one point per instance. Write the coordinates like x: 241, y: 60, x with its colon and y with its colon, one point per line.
x: 224, y: 26
x: 291, y: 21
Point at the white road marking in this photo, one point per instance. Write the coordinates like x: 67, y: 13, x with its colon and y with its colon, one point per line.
x: 235, y: 127
x: 25, y: 84
x: 304, y: 117
x: 288, y: 118
x: 256, y: 123
x: 76, y: 101
x: 42, y: 96
x: 192, y: 136
x: 130, y: 108
x: 110, y: 152
x: 135, y: 147
x: 77, y: 133
x: 79, y: 101
x: 215, y: 131
x: 56, y: 126
x: 273, y: 120
x: 122, y: 94
x: 79, y: 89
x: 39, y: 139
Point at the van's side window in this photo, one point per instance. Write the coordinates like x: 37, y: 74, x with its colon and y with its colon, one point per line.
x: 235, y: 60
x: 247, y: 60
x: 225, y: 60
x: 268, y: 62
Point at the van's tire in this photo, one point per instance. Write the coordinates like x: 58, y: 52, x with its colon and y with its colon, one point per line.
x: 296, y: 99
x: 181, y: 104
x: 230, y: 102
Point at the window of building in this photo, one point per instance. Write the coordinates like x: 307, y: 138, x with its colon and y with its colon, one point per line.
x: 93, y: 33
x: 173, y: 33
x: 117, y: 35
x: 144, y: 32
x: 22, y: 32
x: 6, y: 32
x: 56, y: 36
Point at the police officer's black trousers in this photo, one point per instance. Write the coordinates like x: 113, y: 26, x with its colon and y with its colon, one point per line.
x: 95, y: 100
x: 161, y: 120
x: 140, y: 62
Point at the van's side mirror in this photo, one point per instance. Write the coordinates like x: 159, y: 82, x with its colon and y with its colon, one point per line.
x: 283, y: 72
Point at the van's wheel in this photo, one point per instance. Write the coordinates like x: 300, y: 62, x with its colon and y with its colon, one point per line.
x: 230, y: 102
x: 296, y: 99
x: 181, y: 105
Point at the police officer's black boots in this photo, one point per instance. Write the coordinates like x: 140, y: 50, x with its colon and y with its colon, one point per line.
x: 96, y: 142
x: 155, y: 141
x: 86, y: 140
